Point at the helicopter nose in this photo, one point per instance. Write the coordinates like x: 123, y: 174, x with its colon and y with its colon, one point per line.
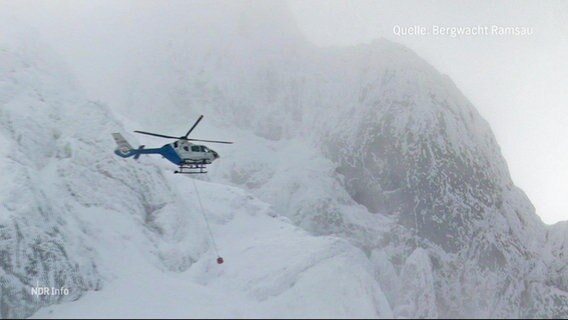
x: 215, y: 154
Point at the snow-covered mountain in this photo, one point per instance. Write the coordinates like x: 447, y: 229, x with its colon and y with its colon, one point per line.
x: 362, y: 184
x: 372, y: 144
x: 128, y: 238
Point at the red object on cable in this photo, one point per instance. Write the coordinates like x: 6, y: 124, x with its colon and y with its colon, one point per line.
x: 220, y: 260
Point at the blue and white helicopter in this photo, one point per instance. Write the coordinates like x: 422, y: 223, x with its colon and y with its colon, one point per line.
x: 190, y: 158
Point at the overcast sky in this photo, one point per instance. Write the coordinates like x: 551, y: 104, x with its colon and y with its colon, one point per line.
x: 518, y: 83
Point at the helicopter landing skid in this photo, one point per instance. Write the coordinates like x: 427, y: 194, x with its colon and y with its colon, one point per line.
x: 197, y: 168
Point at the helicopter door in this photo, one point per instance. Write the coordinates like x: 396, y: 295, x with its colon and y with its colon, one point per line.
x: 197, y: 153
x: 183, y: 150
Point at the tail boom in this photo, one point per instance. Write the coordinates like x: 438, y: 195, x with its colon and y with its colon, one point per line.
x: 125, y: 150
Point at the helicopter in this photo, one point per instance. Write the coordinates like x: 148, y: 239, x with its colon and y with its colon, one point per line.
x: 189, y: 157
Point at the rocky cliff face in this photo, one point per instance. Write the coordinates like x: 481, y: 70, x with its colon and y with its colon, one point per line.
x: 419, y: 153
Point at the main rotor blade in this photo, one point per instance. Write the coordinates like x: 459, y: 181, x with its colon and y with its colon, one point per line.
x: 194, y: 125
x: 156, y: 135
x: 210, y: 141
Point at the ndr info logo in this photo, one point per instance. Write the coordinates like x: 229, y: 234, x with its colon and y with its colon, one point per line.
x: 49, y: 291
x: 459, y: 31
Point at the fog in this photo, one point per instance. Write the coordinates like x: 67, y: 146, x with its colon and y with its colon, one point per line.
x: 517, y: 82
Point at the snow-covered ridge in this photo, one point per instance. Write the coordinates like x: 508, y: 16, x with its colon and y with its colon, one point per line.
x: 59, y: 180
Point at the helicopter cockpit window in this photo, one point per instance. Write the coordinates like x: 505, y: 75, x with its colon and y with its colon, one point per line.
x: 186, y: 148
x: 175, y: 144
x: 205, y: 149
x: 195, y: 149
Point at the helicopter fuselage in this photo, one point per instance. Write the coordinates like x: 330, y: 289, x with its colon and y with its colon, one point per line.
x: 180, y: 152
x: 193, y: 153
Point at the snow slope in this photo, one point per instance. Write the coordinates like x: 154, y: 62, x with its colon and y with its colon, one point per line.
x: 272, y: 269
